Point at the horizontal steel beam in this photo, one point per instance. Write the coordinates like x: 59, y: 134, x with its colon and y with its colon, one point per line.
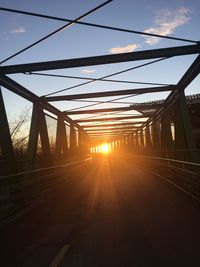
x: 111, y: 118
x: 110, y: 93
x: 102, y: 136
x: 124, y: 124
x: 104, y: 59
x: 111, y: 134
x: 101, y: 110
x: 92, y: 111
x: 110, y: 129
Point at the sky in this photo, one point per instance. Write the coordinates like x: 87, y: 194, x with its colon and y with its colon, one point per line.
x: 169, y: 18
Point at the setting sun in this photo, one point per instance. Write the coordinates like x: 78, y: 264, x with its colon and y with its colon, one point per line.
x: 104, y: 148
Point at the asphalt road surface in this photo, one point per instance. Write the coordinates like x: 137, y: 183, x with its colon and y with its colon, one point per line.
x: 107, y: 212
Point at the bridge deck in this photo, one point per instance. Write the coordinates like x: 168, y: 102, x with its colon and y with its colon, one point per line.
x: 112, y: 213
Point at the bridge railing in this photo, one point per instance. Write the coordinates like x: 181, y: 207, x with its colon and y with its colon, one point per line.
x: 22, y: 191
x: 184, y: 174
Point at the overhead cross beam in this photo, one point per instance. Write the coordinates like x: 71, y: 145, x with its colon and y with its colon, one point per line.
x: 109, y: 133
x: 101, y: 110
x: 110, y: 93
x: 123, y: 124
x: 105, y: 135
x: 110, y: 129
x: 99, y: 60
x: 118, y: 131
x: 111, y: 118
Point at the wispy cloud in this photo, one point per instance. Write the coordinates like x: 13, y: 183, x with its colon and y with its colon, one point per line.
x: 18, y: 30
x: 124, y: 49
x: 87, y: 71
x: 166, y: 22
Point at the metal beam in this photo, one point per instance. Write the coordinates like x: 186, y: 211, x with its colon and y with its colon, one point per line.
x: 190, y: 74
x: 117, y: 135
x: 72, y: 138
x: 61, y: 147
x: 92, y: 111
x: 103, y: 135
x: 6, y: 145
x: 110, y: 93
x: 186, y: 79
x: 111, y: 118
x: 111, y: 132
x: 25, y: 93
x: 104, y: 59
x: 123, y: 124
x: 110, y: 129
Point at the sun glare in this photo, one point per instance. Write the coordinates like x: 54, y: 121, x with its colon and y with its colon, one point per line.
x: 104, y: 148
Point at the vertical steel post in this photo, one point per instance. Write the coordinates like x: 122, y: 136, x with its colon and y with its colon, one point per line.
x: 166, y: 134
x: 148, y: 138
x: 141, y: 139
x: 155, y: 133
x: 38, y: 126
x: 5, y: 137
x: 44, y: 134
x: 184, y: 136
x: 61, y: 148
x: 72, y: 138
x: 136, y: 140
x: 80, y: 140
x: 33, y: 135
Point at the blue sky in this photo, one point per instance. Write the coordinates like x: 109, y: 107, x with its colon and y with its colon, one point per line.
x: 173, y: 18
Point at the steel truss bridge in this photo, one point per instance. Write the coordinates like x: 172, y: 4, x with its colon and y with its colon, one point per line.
x: 163, y: 135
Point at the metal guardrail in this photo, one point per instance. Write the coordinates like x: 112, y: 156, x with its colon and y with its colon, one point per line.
x: 183, y: 174
x: 22, y: 191
x: 43, y: 169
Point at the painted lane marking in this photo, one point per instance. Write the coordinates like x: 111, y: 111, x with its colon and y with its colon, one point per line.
x: 59, y: 256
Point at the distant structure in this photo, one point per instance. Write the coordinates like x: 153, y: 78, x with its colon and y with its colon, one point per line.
x: 193, y: 104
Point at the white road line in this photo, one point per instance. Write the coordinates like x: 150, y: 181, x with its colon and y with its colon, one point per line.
x: 59, y: 256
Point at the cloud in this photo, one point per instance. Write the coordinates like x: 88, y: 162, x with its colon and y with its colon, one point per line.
x: 166, y: 22
x: 87, y: 71
x: 124, y: 49
x: 18, y: 30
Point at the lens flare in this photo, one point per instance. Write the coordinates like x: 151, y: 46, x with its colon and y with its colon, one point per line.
x: 104, y: 148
